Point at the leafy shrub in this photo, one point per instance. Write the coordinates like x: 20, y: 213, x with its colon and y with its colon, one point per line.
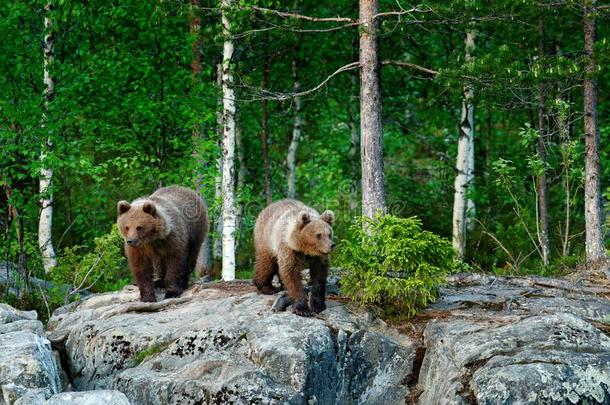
x: 103, y: 269
x: 394, y: 264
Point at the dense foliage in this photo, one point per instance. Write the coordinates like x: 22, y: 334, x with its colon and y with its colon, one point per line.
x: 137, y: 98
x: 393, y: 263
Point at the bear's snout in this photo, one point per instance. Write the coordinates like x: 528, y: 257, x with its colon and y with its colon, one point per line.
x: 332, y: 245
x: 133, y: 242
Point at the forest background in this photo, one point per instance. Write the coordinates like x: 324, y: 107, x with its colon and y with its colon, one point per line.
x: 483, y: 104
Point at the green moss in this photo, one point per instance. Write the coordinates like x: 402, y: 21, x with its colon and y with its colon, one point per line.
x: 140, y: 356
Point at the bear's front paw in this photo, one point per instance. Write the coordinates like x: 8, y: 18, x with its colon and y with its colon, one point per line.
x: 317, y: 305
x: 302, y: 309
x: 148, y: 296
x: 172, y: 294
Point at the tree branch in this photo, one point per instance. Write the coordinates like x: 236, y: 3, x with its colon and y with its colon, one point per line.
x: 286, y: 96
x: 410, y: 65
x: 283, y: 14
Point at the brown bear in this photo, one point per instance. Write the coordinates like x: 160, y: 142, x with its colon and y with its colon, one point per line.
x: 163, y: 234
x: 288, y: 238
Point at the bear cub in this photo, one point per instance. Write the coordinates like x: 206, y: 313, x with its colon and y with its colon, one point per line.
x: 290, y: 237
x: 163, y: 234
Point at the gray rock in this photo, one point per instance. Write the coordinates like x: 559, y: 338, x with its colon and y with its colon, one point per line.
x: 26, y: 361
x: 99, y: 397
x: 488, y: 340
x: 213, y: 346
x: 516, y: 340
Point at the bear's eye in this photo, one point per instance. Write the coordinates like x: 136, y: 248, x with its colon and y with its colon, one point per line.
x: 138, y: 228
x: 319, y: 236
x: 126, y: 228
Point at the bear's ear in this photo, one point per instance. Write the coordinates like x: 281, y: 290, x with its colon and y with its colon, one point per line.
x: 149, y: 208
x: 122, y: 207
x: 303, y: 219
x: 328, y: 216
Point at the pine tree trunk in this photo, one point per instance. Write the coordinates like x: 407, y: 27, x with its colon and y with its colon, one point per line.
x: 464, y: 162
x: 371, y: 125
x: 291, y: 157
x: 353, y: 151
x: 203, y: 265
x: 46, y: 173
x: 264, y: 128
x: 594, y: 216
x: 228, y: 148
x: 541, y: 183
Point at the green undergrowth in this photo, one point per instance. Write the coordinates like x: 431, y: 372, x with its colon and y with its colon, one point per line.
x: 393, y: 264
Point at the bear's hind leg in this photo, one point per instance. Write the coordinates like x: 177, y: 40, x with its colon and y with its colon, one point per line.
x: 174, y: 275
x: 265, y: 268
x: 191, y: 262
x: 318, y: 272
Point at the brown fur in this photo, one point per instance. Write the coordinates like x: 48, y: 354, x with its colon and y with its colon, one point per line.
x: 290, y: 237
x: 163, y: 234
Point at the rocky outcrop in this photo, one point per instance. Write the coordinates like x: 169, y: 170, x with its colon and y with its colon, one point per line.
x: 98, y: 397
x: 517, y: 340
x: 26, y: 362
x: 487, y: 340
x: 215, y: 345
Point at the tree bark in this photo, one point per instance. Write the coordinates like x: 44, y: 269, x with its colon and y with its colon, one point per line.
x: 203, y: 265
x: 353, y: 150
x: 562, y: 118
x: 217, y: 245
x: 594, y: 216
x: 464, y: 162
x: 45, y: 223
x: 371, y: 125
x: 296, y: 136
x: 228, y: 145
x: 541, y: 183
x: 264, y: 127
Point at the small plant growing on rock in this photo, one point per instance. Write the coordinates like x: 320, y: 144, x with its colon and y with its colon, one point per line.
x: 394, y: 264
x: 102, y: 269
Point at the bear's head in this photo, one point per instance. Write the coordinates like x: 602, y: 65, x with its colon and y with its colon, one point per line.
x: 313, y: 235
x: 141, y: 222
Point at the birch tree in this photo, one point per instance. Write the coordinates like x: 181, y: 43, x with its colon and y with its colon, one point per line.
x: 45, y: 223
x: 217, y: 245
x: 541, y: 183
x: 594, y: 216
x: 465, y: 160
x: 229, y: 211
x: 371, y: 126
x: 296, y: 135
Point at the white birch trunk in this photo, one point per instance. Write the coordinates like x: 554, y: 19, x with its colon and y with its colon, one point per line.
x: 296, y: 137
x: 229, y: 212
x: 464, y: 162
x: 541, y: 180
x: 217, y: 244
x: 371, y: 126
x: 46, y: 173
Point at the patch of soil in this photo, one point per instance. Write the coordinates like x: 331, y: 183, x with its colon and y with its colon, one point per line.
x: 236, y: 287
